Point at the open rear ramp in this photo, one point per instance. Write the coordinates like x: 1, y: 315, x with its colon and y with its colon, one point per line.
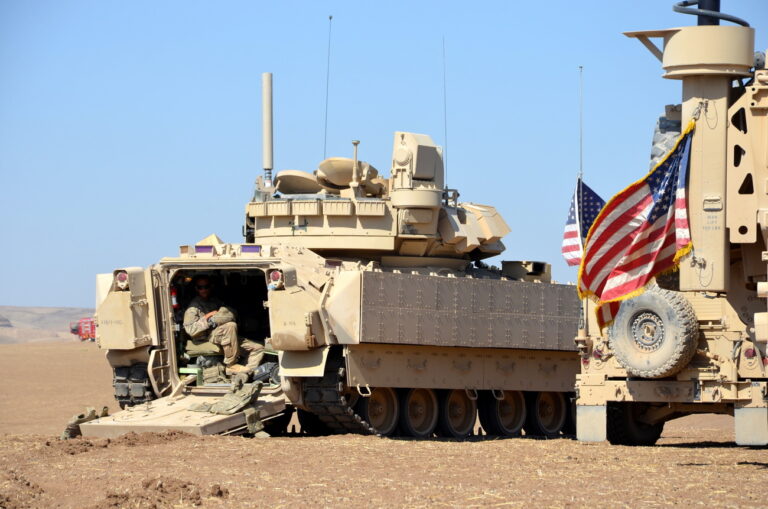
x: 175, y: 413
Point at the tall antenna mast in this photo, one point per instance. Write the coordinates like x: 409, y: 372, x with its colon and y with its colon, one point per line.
x: 581, y: 123
x: 266, y: 127
x: 579, y: 186
x: 327, y: 83
x: 583, y: 318
x: 445, y: 123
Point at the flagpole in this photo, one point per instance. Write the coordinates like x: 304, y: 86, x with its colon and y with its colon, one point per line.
x: 579, y: 190
x: 581, y: 122
x: 584, y: 319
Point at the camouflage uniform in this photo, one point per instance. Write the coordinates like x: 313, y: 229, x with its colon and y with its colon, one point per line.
x: 220, y: 329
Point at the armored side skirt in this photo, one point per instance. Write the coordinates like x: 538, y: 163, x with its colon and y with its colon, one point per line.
x: 460, y: 368
x: 440, y: 311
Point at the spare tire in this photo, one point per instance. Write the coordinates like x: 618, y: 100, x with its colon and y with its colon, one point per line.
x: 654, y: 334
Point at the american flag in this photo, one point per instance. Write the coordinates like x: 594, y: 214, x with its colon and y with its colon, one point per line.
x: 585, y: 205
x: 640, y: 233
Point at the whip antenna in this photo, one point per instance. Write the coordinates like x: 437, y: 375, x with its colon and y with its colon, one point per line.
x: 581, y: 122
x: 583, y: 318
x: 580, y: 191
x: 327, y: 83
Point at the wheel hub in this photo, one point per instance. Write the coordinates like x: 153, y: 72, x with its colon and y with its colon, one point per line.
x: 456, y: 411
x: 647, y: 330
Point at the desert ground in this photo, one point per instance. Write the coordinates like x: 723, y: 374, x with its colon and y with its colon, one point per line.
x: 47, y: 380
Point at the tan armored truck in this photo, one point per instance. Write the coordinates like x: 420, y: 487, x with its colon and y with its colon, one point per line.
x: 696, y: 342
x: 373, y: 294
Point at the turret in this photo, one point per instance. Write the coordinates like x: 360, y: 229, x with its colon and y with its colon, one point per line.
x: 345, y: 208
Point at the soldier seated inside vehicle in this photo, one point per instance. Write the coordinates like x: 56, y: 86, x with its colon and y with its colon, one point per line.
x: 212, y: 328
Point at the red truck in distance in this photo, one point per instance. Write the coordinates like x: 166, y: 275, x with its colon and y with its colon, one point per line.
x: 84, y: 328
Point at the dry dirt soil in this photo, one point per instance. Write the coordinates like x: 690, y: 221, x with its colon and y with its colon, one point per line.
x: 695, y: 463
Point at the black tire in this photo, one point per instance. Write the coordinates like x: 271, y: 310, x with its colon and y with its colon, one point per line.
x: 669, y: 281
x: 654, y: 334
x: 503, y: 418
x: 569, y: 428
x: 625, y: 428
x: 278, y: 426
x: 457, y: 414
x: 546, y: 412
x: 418, y: 412
x: 311, y: 424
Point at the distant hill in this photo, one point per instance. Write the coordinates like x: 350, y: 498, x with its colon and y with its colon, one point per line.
x: 21, y: 324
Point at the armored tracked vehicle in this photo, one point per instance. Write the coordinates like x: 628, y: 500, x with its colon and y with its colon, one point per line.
x: 696, y: 341
x: 374, y: 296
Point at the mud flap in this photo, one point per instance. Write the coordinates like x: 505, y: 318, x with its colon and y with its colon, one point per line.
x: 175, y: 413
x: 591, y: 423
x: 751, y: 426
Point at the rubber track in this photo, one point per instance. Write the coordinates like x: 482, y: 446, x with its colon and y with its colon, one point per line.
x: 325, y: 398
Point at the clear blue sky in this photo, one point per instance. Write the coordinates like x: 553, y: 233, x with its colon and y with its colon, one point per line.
x: 130, y: 128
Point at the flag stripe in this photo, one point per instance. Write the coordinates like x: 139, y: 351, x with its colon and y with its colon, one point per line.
x: 619, y: 285
x: 609, y: 214
x: 632, y: 284
x: 651, y: 243
x: 629, y: 220
x: 635, y: 193
x: 638, y: 240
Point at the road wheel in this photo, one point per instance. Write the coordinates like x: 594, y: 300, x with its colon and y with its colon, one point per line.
x: 624, y: 426
x: 654, y: 334
x: 381, y: 410
x: 418, y: 412
x: 458, y: 414
x: 311, y: 424
x: 547, y: 413
x: 502, y: 417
